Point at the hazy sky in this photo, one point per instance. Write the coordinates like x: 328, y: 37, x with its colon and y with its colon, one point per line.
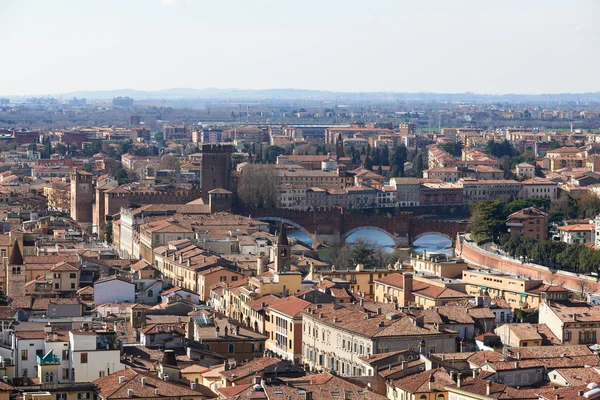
x: 57, y: 46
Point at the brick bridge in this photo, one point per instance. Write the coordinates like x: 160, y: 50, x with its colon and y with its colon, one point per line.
x: 335, y: 224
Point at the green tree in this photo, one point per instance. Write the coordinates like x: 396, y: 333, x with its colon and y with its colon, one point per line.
x: 121, y: 175
x: 569, y: 259
x: 270, y: 156
x: 453, y: 148
x: 488, y: 219
x: 363, y: 252
x: 588, y: 206
x: 60, y: 149
x: 397, y: 159
x: 418, y: 165
x: 160, y: 138
x: 499, y: 149
x: 108, y: 232
x: 88, y: 167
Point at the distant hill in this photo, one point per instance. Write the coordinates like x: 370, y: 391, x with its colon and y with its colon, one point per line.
x: 285, y: 94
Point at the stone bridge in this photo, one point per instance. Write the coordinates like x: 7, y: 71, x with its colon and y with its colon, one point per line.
x: 335, y: 224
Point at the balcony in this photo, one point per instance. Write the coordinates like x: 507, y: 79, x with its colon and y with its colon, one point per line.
x: 48, y: 359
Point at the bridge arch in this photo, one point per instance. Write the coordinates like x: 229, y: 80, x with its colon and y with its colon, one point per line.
x: 285, y: 221
x: 346, y: 235
x: 433, y: 233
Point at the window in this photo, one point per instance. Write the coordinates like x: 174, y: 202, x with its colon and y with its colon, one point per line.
x: 232, y: 348
x: 222, y: 278
x: 24, y: 355
x: 57, y: 286
x: 65, y: 373
x: 61, y: 396
x: 72, y: 285
x: 84, y: 358
x: 100, y: 374
x: 423, y: 397
x: 150, y: 293
x: 73, y: 276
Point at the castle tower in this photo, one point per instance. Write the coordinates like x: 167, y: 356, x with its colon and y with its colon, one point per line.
x: 215, y: 167
x: 15, y: 272
x: 282, y: 250
x: 339, y: 147
x: 82, y: 198
x: 220, y: 200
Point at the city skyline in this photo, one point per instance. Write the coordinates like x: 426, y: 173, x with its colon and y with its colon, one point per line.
x: 400, y: 47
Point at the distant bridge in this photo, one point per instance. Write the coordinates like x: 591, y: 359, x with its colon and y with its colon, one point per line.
x: 336, y: 224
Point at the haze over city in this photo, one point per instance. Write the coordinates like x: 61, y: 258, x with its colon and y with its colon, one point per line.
x: 54, y: 47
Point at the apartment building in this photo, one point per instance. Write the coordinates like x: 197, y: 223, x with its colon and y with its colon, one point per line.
x: 65, y: 356
x: 519, y: 291
x: 519, y: 335
x: 453, y: 174
x: 433, y: 264
x: 407, y: 191
x: 538, y: 188
x: 577, y: 233
x: 283, y: 327
x: 476, y: 190
x: 426, y: 291
x: 361, y: 280
x: 573, y: 323
x: 337, y: 338
x: 525, y: 170
x: 314, y: 178
x: 192, y: 268
x: 160, y: 233
x: 530, y: 222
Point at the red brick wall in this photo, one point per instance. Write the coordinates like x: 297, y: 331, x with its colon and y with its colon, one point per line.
x: 480, y: 258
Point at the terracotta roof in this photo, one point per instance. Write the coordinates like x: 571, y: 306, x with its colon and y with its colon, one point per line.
x: 110, y: 388
x: 249, y: 368
x: 290, y: 306
x: 420, y: 382
x: 324, y: 386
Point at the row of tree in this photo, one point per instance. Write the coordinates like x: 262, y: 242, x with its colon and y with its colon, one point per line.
x: 555, y: 255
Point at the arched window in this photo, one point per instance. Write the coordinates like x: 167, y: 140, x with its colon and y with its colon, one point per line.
x: 51, y: 376
x: 47, y: 377
x: 423, y: 397
x: 440, y: 397
x: 150, y: 293
x: 231, y: 348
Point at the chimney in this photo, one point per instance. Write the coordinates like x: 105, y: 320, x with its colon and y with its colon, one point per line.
x: 474, y: 373
x: 237, y: 330
x: 458, y: 379
x: 130, y: 392
x: 217, y: 330
x: 257, y: 380
x: 488, y: 388
x: 48, y: 328
x: 379, y: 311
x: 453, y: 375
x: 121, y: 379
x: 407, y: 288
x: 362, y: 302
x: 55, y: 336
x: 193, y: 385
x: 143, y: 381
x: 156, y: 392
x: 431, y: 382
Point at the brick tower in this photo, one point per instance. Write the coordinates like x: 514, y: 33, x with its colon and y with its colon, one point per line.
x: 215, y: 167
x: 82, y: 198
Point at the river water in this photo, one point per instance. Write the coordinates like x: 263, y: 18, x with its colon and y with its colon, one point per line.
x: 430, y: 243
